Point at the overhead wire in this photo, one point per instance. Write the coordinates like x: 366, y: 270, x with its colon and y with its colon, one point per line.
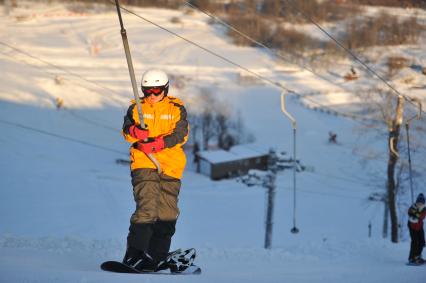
x: 90, y: 121
x: 189, y: 41
x: 103, y: 87
x: 354, y: 56
x: 347, y: 50
x: 70, y: 111
x: 70, y: 139
x: 270, y: 50
x: 74, y: 140
x: 246, y: 36
x: 328, y: 108
x: 276, y: 84
x: 284, y: 59
x: 263, y: 78
x: 355, y: 117
x: 63, y: 70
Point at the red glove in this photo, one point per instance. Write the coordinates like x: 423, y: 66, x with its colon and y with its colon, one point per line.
x: 138, y: 133
x: 151, y: 146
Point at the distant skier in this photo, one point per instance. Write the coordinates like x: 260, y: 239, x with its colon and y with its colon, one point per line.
x: 152, y: 225
x: 417, y: 214
x: 59, y: 102
x: 332, y: 137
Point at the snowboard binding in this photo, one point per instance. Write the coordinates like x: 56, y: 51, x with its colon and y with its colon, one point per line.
x: 178, y: 261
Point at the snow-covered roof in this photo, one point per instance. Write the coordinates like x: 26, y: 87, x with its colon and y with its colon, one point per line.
x: 237, y: 152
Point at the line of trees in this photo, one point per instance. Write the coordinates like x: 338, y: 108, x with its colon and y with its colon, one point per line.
x: 383, y: 30
x: 269, y: 25
x: 173, y: 4
x: 392, y: 3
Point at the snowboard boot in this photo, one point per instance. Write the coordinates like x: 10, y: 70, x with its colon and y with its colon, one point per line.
x: 139, y: 260
x: 179, y: 260
x: 165, y: 264
x: 420, y: 260
x: 416, y: 261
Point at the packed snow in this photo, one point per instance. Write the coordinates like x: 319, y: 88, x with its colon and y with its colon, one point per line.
x: 65, y: 202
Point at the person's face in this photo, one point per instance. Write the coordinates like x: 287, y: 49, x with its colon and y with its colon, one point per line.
x: 420, y: 205
x: 154, y: 99
x: 153, y: 94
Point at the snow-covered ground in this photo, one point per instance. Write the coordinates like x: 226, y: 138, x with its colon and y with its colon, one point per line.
x: 65, y: 203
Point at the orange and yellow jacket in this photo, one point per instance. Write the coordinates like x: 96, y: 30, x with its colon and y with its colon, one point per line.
x: 168, y: 119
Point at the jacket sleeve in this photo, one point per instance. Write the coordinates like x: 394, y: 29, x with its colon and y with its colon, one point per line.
x: 423, y: 214
x: 179, y: 134
x: 413, y: 216
x: 128, y: 121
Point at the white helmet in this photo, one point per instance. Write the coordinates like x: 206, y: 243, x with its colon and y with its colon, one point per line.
x: 155, y: 78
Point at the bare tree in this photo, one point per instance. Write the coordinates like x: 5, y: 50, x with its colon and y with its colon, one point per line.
x: 394, y: 127
x: 224, y: 139
x: 271, y: 7
x: 201, y: 4
x: 209, y: 108
x: 239, y: 131
x: 208, y: 128
x: 386, y: 113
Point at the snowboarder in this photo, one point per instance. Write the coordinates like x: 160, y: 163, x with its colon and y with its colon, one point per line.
x: 152, y: 225
x: 332, y: 137
x: 416, y: 215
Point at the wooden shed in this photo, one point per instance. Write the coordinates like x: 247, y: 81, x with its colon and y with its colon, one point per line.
x: 221, y: 164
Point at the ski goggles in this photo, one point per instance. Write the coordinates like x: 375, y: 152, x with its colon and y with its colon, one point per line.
x: 155, y: 90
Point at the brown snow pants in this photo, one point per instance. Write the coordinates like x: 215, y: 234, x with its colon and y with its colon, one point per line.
x: 156, y: 196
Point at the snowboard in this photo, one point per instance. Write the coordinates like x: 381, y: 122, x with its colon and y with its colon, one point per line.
x: 176, y: 260
x: 119, y: 267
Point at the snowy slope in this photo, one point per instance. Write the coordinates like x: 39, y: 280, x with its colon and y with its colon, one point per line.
x: 65, y: 203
